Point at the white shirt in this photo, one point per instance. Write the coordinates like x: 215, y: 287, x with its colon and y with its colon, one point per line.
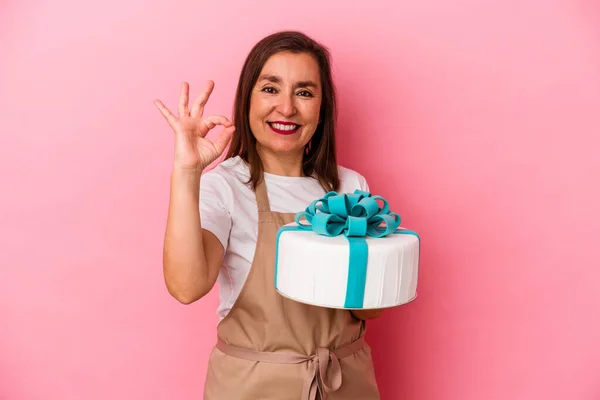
x: 228, y: 209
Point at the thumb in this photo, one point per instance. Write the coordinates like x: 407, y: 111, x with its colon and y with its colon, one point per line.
x: 224, y: 139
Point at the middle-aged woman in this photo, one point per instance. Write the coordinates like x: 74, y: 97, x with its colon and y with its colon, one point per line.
x: 222, y: 226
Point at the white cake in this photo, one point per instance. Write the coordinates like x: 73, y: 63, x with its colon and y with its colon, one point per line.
x: 318, y: 270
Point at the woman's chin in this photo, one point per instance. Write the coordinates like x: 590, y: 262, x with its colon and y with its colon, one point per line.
x: 285, y: 149
x: 288, y: 152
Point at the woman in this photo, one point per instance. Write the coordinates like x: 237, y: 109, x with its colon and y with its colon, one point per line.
x: 222, y: 227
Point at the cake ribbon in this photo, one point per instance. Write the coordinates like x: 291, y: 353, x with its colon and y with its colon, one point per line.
x: 356, y: 215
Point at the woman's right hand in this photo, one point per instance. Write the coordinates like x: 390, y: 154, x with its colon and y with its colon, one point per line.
x: 192, y: 150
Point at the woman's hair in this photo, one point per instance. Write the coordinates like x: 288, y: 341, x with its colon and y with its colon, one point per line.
x: 319, y: 158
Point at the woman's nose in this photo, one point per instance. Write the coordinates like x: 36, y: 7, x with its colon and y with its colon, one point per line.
x: 286, y: 106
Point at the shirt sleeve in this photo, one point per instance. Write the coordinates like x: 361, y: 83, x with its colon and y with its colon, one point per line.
x: 215, y: 203
x: 363, y: 184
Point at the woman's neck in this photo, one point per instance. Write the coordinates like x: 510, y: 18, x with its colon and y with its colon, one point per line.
x: 278, y: 164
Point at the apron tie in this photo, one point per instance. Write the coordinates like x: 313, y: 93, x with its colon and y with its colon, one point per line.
x: 324, y: 374
x: 317, y: 374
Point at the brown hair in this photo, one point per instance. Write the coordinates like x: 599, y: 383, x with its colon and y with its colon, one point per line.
x: 319, y: 158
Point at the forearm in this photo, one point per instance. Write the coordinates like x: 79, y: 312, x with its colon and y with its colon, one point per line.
x: 184, y: 262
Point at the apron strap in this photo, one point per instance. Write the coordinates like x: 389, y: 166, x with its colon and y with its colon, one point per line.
x: 262, y: 199
x: 324, y: 373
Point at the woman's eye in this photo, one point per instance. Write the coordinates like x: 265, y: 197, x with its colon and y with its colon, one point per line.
x: 269, y: 89
x: 305, y: 93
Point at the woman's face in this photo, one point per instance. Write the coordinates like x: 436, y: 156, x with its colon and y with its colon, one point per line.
x: 285, y: 103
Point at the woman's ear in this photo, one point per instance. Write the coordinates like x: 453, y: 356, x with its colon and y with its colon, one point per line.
x: 308, y: 147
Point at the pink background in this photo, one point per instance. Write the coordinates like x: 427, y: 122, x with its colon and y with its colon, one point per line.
x: 478, y: 120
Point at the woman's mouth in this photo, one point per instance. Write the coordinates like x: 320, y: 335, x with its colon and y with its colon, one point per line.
x: 284, y: 128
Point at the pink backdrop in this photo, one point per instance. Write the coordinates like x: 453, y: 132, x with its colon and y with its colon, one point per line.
x: 478, y: 120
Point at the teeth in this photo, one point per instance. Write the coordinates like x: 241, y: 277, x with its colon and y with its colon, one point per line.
x: 282, y: 127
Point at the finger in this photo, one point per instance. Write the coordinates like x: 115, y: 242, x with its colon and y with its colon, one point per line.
x: 210, y: 122
x: 184, y: 98
x: 224, y: 139
x: 198, y: 107
x: 165, y: 112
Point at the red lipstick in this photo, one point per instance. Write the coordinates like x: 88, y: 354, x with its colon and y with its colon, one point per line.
x: 284, y: 127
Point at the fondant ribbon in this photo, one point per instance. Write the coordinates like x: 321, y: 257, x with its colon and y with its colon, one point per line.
x: 354, y: 215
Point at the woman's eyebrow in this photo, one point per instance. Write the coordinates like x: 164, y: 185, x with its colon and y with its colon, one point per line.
x: 270, y: 78
x: 278, y: 80
x: 306, y: 84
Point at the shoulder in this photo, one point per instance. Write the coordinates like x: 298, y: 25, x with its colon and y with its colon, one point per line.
x: 227, y: 172
x: 224, y: 180
x: 351, y: 180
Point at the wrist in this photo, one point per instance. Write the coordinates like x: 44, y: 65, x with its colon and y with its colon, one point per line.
x: 186, y: 178
x: 187, y: 172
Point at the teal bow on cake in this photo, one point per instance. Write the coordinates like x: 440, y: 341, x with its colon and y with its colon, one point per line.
x: 355, y: 215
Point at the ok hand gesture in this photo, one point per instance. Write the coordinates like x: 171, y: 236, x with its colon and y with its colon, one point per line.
x: 192, y: 150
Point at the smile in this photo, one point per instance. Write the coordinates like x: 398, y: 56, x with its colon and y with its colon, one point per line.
x: 284, y: 128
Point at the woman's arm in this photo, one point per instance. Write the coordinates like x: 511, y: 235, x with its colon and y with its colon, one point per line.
x: 192, y: 256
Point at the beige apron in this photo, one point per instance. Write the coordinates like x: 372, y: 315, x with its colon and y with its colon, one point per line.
x: 270, y: 347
